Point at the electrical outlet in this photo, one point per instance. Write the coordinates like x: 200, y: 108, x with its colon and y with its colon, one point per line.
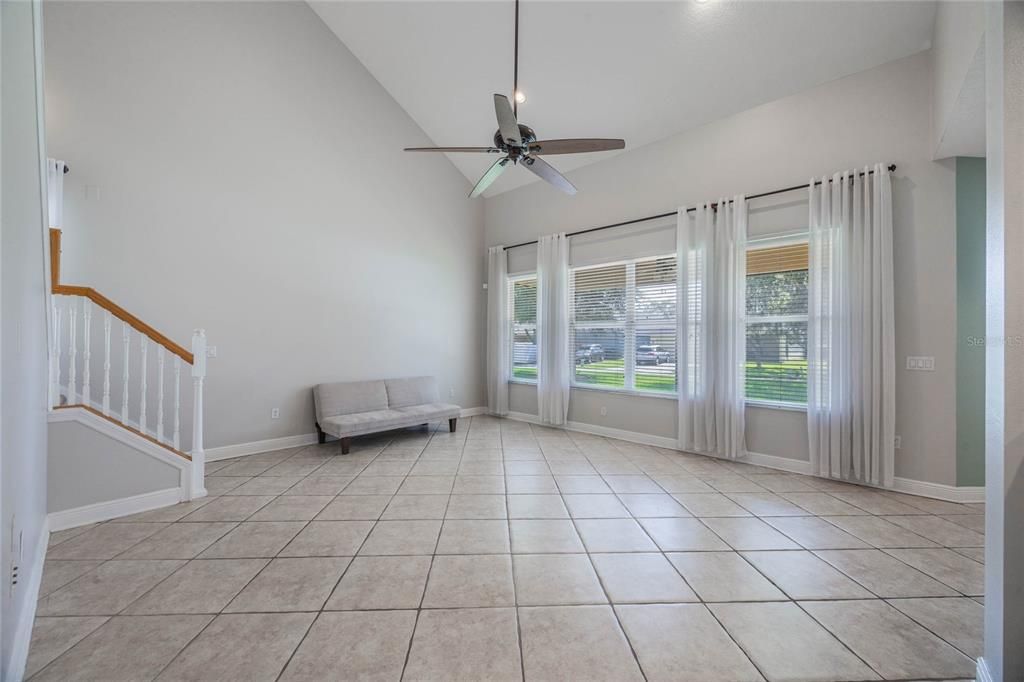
x: 451, y: 392
x: 899, y: 442
x: 604, y: 411
x: 211, y: 351
x: 275, y: 413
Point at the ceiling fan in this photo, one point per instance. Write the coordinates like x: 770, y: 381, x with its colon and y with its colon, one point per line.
x: 518, y: 143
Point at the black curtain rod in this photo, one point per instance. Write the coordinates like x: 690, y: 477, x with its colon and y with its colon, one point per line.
x: 67, y: 168
x: 892, y: 167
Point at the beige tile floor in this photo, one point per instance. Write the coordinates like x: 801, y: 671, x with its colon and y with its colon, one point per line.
x: 506, y: 551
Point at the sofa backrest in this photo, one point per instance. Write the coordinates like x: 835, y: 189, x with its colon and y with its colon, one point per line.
x: 412, y: 391
x: 349, y: 397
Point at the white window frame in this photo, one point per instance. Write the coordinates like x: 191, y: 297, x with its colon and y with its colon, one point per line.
x: 630, y: 327
x: 801, y: 237
x: 511, y: 324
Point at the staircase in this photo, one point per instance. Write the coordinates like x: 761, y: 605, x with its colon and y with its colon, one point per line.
x: 142, y: 405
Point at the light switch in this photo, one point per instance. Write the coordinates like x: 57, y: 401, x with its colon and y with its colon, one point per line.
x: 921, y: 363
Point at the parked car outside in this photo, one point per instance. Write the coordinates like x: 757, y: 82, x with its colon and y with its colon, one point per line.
x: 589, y: 353
x: 652, y: 355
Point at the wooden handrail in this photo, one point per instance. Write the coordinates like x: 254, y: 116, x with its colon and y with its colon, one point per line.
x: 105, y: 303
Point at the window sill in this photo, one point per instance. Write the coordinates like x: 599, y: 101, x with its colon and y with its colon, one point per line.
x: 769, y: 405
x: 763, y: 404
x: 625, y: 391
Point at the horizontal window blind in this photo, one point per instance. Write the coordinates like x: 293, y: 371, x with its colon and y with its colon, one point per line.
x: 597, y: 333
x: 655, y: 322
x: 522, y: 304
x: 622, y: 328
x: 776, y: 368
x: 777, y: 259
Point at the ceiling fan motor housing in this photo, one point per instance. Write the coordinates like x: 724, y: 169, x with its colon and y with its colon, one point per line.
x: 525, y: 132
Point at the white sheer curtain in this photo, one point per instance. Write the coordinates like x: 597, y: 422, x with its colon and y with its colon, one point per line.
x: 55, y: 191
x: 553, y: 365
x: 497, y: 331
x: 850, y: 330
x: 712, y: 266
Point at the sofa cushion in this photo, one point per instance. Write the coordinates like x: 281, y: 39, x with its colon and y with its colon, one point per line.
x: 349, y: 397
x: 430, y: 411
x: 361, y: 422
x: 411, y: 391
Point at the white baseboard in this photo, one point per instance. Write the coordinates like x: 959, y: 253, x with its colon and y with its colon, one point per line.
x: 258, y: 446
x: 595, y: 430
x: 950, y: 493
x: 103, y: 511
x: 793, y: 466
x: 23, y: 629
x: 982, y: 672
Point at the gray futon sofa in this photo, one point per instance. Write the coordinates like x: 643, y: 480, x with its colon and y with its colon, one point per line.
x: 354, y: 408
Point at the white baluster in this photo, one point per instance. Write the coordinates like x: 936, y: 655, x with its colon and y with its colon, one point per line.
x: 72, y: 356
x: 106, y: 364
x: 198, y: 466
x: 55, y: 356
x: 144, y: 345
x: 124, y: 373
x: 160, y: 392
x: 177, y: 403
x: 86, y: 355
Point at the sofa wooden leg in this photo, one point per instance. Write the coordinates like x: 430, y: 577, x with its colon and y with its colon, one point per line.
x: 345, y: 443
x: 321, y: 437
x: 451, y: 424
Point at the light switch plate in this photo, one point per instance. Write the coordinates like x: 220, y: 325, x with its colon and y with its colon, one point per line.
x: 921, y: 363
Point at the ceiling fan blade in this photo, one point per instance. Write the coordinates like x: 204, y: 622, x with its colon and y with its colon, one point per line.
x: 479, y: 150
x: 540, y: 167
x: 576, y: 146
x: 490, y: 176
x: 507, y: 123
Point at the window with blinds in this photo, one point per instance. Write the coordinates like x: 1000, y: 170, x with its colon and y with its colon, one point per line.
x: 522, y: 306
x: 776, y: 368
x: 622, y: 329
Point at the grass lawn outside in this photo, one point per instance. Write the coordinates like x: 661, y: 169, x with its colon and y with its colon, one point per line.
x: 775, y: 382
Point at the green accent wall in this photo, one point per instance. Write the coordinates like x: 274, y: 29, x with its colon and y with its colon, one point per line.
x: 970, y: 321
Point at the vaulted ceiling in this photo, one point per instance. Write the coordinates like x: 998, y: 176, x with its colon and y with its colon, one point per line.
x: 638, y: 70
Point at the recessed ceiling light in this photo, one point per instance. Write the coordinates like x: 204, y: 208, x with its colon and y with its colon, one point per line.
x: 520, y: 96
x: 702, y: 2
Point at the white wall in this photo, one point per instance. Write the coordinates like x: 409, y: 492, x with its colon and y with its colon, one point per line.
x: 113, y: 469
x: 234, y: 167
x: 878, y: 115
x: 1004, y: 328
x: 958, y: 90
x: 23, y: 336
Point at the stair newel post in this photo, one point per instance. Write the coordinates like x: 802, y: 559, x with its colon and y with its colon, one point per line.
x: 106, y: 363
x: 198, y: 487
x: 143, y: 386
x: 86, y: 354
x: 126, y: 341
x: 72, y: 355
x: 160, y: 393
x: 176, y: 437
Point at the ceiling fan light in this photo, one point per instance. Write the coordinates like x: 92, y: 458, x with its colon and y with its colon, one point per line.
x: 520, y: 97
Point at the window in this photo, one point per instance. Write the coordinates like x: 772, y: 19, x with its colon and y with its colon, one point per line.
x: 622, y: 329
x: 776, y: 369
x: 522, y: 305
